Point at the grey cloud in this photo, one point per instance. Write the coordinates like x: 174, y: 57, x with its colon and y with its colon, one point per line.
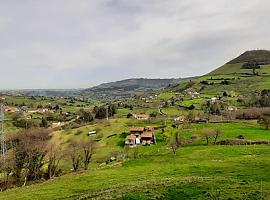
x: 75, y: 44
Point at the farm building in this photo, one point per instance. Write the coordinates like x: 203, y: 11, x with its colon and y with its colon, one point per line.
x: 180, y: 118
x: 231, y: 108
x: 11, y: 109
x: 136, y: 130
x: 142, y: 117
x: 194, y: 94
x: 144, y: 135
x: 148, y: 138
x: 132, y: 140
x: 92, y: 133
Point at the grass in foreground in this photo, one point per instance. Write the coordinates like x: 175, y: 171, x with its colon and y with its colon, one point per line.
x: 198, y: 172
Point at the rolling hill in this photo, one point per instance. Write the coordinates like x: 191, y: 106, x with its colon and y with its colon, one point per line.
x: 261, y: 56
x: 128, y: 87
x: 196, y: 171
x: 232, y: 76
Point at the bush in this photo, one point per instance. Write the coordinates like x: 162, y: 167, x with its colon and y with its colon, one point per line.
x: 78, y: 132
x: 129, y: 115
x: 154, y: 114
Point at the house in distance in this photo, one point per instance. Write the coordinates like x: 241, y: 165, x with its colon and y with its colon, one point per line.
x: 140, y: 135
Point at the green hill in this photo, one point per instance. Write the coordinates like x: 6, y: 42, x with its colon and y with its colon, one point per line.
x: 128, y: 87
x: 232, y: 76
x: 261, y: 56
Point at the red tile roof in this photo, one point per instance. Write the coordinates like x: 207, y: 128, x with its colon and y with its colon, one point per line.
x: 147, y: 135
x: 139, y: 129
x: 131, y: 137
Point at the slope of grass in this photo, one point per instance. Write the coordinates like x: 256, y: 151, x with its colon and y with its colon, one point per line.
x: 241, y: 81
x: 195, y: 172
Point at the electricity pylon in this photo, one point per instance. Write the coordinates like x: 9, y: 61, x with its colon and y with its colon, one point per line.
x: 2, y: 132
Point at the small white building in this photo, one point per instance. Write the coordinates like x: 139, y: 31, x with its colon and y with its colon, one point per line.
x: 92, y: 133
x: 231, y: 108
x: 180, y: 118
x: 194, y: 94
x: 214, y: 99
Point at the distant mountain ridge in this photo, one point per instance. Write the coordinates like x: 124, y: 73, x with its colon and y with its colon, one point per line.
x: 143, y: 82
x: 129, y: 86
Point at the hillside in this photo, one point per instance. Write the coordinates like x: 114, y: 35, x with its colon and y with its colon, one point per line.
x: 261, y: 56
x: 223, y: 156
x: 128, y: 87
x: 196, y: 172
x: 233, y: 77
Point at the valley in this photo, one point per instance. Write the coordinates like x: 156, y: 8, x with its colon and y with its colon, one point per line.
x: 202, y: 137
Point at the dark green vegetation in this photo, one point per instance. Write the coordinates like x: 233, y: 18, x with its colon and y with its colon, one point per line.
x: 128, y: 87
x: 212, y: 140
x: 260, y: 56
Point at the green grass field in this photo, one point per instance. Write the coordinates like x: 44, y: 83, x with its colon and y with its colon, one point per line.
x: 230, y: 172
x: 195, y: 172
x: 240, y: 82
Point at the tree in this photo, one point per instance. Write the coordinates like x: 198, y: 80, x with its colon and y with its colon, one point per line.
x: 57, y: 107
x: 136, y: 152
x: 214, y: 108
x: 88, y: 151
x: 129, y: 115
x: 54, y: 157
x: 104, y: 111
x: 112, y: 110
x: 101, y: 113
x: 207, y: 134
x: 154, y: 114
x: 39, y: 106
x: 253, y: 65
x: 265, y: 122
x: 75, y: 155
x: 44, y: 123
x: 85, y: 116
x: 95, y: 109
x: 174, y: 141
x: 190, y: 116
x: 6, y: 168
x: 29, y: 159
x: 216, y: 133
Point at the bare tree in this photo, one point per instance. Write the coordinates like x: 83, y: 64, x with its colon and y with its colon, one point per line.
x: 6, y: 167
x: 136, y: 152
x: 88, y: 151
x: 216, y: 133
x: 54, y: 157
x: 174, y: 141
x: 207, y: 135
x: 75, y: 155
x: 265, y: 122
x: 29, y: 149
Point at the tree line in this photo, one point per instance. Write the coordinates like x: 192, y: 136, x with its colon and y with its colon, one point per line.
x: 32, y: 157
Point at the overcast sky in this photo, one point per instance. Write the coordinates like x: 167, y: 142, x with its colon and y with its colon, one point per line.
x: 81, y: 43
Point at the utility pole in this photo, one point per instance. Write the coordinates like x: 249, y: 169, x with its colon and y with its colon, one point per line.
x: 2, y: 133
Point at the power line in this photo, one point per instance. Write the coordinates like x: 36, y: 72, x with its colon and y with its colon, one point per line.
x: 2, y: 132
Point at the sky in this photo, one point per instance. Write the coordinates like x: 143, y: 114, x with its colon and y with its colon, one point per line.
x: 81, y: 43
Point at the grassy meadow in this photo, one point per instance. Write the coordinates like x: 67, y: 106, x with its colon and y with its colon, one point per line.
x: 196, y: 171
